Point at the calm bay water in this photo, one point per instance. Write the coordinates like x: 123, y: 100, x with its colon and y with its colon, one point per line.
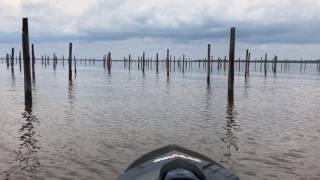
x: 94, y: 127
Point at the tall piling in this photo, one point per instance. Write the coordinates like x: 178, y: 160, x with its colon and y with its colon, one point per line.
x: 33, y: 60
x: 26, y: 63
x: 231, y: 61
x: 75, y: 65
x: 167, y: 63
x: 157, y: 63
x: 143, y: 61
x: 208, y: 64
x: 265, y: 64
x: 70, y: 61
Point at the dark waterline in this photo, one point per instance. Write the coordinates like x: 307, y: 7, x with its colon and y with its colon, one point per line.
x: 94, y: 127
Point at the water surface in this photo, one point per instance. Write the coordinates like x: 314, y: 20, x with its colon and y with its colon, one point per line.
x: 95, y: 126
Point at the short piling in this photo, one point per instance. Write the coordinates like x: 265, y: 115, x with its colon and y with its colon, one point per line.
x: 246, y: 64
x: 109, y: 62
x: 129, y: 62
x: 12, y: 60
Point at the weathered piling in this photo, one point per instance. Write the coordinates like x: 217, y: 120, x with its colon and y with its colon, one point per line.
x: 129, y: 62
x: 70, y: 61
x: 103, y: 60
x: 157, y: 63
x: 208, y: 64
x: 265, y: 64
x: 143, y: 61
x: 174, y: 63
x: 170, y: 60
x: 33, y: 60
x: 75, y: 65
x: 275, y: 64
x: 26, y: 63
x: 54, y: 60
x: 183, y: 56
x: 20, y: 60
x: 249, y: 59
x: 7, y: 60
x: 167, y: 63
x: 12, y: 60
x: 246, y: 64
x: 231, y: 61
x: 109, y: 62
x: 224, y: 63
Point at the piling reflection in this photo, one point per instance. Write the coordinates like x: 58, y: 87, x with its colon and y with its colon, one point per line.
x: 230, y: 138
x: 29, y: 146
x: 13, y: 80
x: 71, y: 93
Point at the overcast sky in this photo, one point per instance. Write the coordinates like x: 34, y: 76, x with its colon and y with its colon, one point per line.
x: 287, y: 28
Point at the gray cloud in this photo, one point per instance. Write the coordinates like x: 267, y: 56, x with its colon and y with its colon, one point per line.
x: 258, y: 22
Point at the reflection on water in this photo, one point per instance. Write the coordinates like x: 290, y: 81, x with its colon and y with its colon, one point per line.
x: 13, y: 80
x: 71, y: 93
x: 230, y: 138
x: 29, y: 146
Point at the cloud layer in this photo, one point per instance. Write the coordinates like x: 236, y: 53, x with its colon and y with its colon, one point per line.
x: 290, y: 21
x: 258, y: 22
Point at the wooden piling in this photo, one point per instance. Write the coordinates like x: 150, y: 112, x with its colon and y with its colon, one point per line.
x: 208, y: 64
x: 157, y: 63
x: 20, y: 60
x: 224, y: 63
x: 231, y: 62
x: 167, y: 63
x: 7, y: 60
x: 75, y: 65
x: 12, y: 60
x: 129, y: 62
x: 246, y: 64
x: 26, y: 63
x: 143, y: 61
x: 33, y: 60
x: 248, y: 69
x: 109, y: 62
x: 183, y: 56
x: 275, y: 64
x: 70, y: 61
x: 265, y: 64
